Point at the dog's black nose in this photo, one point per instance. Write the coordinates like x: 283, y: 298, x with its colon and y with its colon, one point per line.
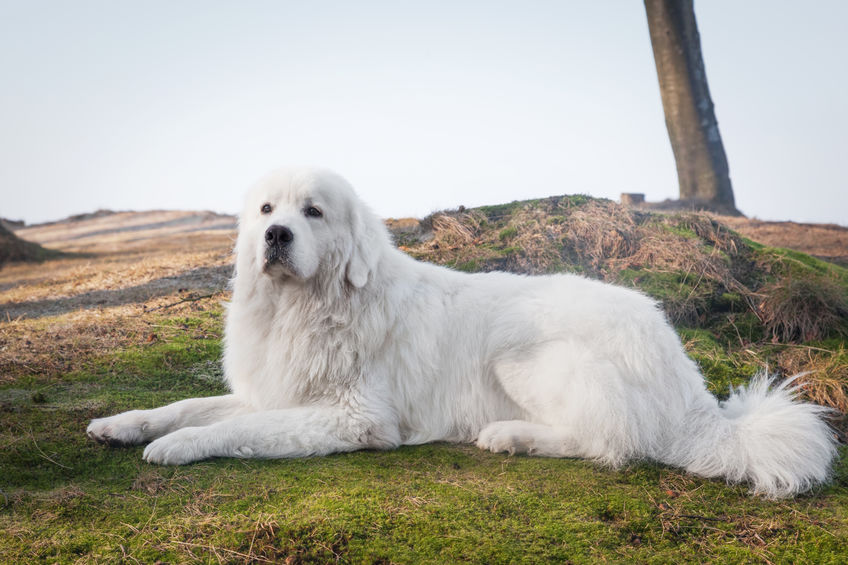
x: 278, y: 235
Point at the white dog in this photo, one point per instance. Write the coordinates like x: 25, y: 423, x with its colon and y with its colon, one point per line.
x: 336, y: 341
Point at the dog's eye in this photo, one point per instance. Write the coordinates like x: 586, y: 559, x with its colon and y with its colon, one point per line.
x: 313, y: 212
x: 266, y: 208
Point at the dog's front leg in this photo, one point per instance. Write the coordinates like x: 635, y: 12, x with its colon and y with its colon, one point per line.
x: 291, y: 432
x: 141, y: 426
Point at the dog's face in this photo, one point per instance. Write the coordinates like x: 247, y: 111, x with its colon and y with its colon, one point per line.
x: 298, y: 223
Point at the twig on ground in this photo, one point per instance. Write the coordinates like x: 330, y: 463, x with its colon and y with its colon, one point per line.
x: 44, y: 455
x: 800, y: 346
x: 697, y: 517
x: 738, y: 335
x: 215, y: 550
x: 186, y: 299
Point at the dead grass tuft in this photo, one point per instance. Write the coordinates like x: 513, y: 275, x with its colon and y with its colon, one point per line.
x: 804, y: 309
x: 665, y: 245
x: 825, y: 379
x: 454, y: 231
x: 530, y: 243
x: 149, y: 481
x: 706, y: 530
x: 455, y: 239
x: 600, y: 231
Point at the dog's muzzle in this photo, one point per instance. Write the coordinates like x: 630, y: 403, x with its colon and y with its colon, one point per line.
x: 278, y: 240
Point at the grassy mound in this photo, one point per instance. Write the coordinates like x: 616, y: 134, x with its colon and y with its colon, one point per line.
x: 13, y: 249
x: 699, y: 269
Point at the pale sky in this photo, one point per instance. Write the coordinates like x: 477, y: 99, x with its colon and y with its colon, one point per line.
x: 182, y: 104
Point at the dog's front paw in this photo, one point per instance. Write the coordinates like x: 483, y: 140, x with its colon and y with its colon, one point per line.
x: 177, y: 448
x: 128, y: 428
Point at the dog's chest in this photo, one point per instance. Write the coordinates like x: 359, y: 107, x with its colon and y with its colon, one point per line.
x: 297, y: 360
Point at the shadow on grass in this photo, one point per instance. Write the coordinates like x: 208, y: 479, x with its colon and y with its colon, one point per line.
x: 215, y: 278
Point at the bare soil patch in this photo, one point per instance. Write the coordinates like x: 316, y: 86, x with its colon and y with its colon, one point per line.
x: 826, y: 241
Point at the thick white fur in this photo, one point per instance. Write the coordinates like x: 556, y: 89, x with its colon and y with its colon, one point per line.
x: 352, y: 344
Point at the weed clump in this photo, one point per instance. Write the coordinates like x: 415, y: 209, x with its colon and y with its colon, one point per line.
x: 599, y: 232
x: 803, y: 309
x: 823, y: 379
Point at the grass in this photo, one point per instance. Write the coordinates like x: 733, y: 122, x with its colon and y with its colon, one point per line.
x: 64, y: 499
x: 69, y: 500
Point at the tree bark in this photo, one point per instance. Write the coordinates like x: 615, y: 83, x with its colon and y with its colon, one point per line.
x: 702, y: 169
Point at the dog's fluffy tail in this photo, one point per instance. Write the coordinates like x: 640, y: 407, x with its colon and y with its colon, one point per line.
x: 760, y: 435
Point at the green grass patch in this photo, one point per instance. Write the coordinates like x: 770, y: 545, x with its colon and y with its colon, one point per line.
x: 500, y: 211
x: 508, y: 233
x: 787, y: 262
x: 722, y: 366
x: 686, y: 298
x: 66, y: 498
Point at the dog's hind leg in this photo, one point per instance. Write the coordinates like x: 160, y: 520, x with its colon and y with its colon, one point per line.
x: 575, y: 404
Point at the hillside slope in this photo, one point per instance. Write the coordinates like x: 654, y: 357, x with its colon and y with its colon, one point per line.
x: 134, y: 319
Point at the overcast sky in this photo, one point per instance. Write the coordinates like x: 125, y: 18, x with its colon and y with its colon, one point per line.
x: 422, y: 105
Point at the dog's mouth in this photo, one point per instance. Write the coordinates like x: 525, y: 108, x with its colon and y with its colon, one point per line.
x: 277, y: 262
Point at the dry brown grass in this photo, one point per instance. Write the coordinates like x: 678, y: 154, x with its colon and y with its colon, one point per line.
x: 132, y: 231
x: 599, y: 232
x: 65, y: 278
x: 119, y: 251
x: 455, y: 238
x: 33, y: 347
x: 56, y: 317
x: 664, y: 244
x: 454, y: 232
x: 824, y: 380
x: 803, y: 309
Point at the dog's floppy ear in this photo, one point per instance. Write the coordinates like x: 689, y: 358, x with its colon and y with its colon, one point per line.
x: 368, y: 242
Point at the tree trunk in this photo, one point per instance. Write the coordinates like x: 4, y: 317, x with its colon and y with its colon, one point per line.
x: 702, y: 169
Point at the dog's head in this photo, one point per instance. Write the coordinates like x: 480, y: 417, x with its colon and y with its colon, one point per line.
x: 299, y: 224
